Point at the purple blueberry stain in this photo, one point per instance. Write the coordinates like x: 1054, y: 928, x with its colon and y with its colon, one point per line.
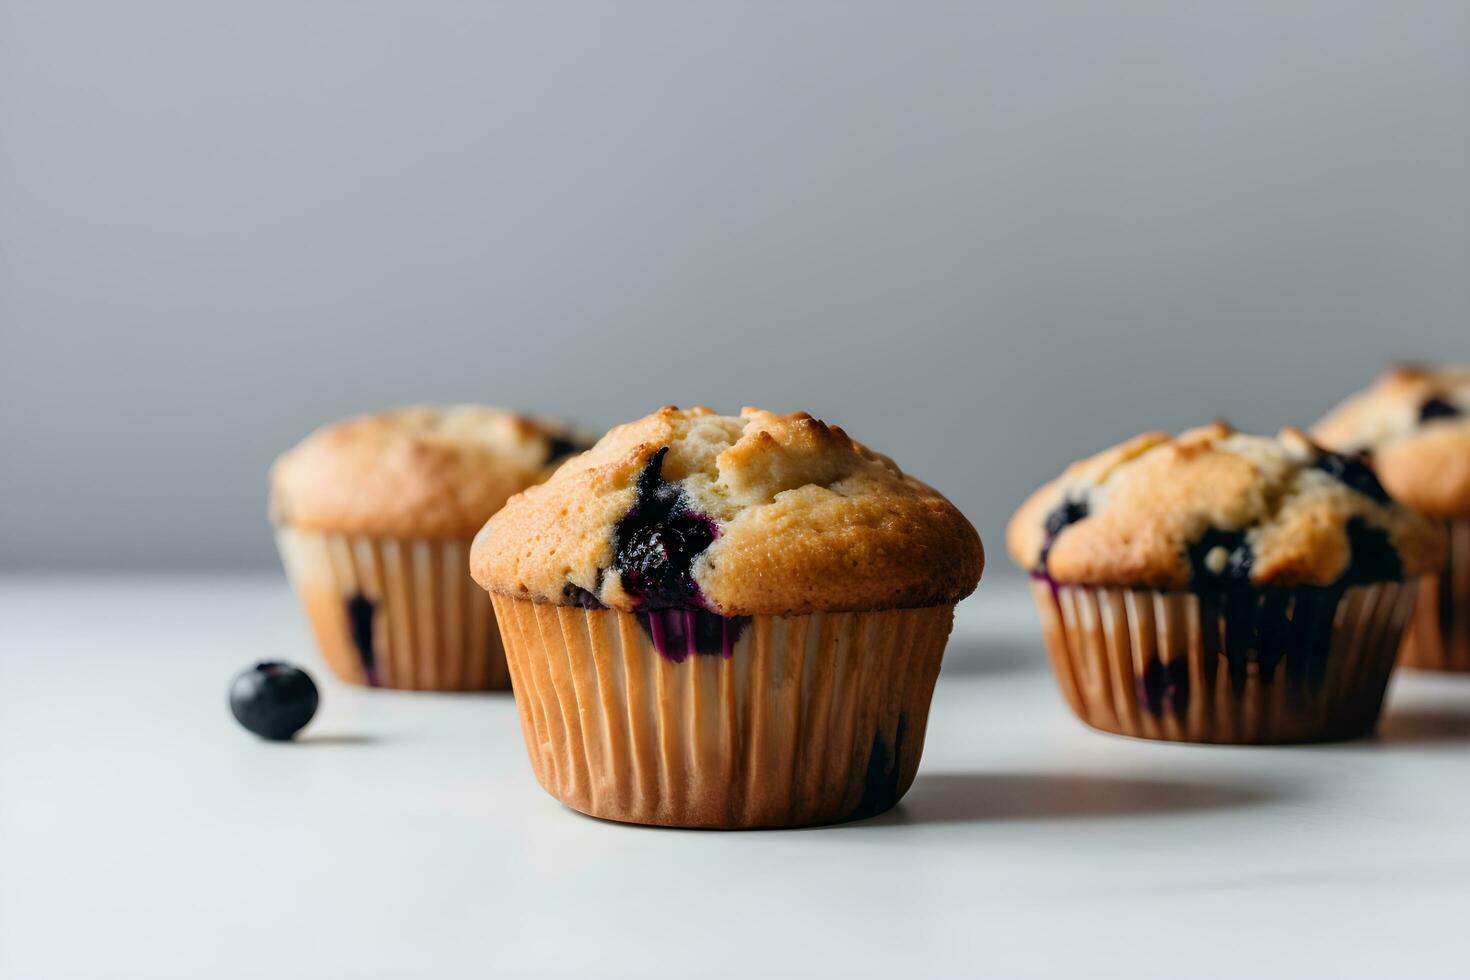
x: 1268, y: 628
x: 360, y: 611
x: 1165, y: 687
x: 678, y: 633
x: 656, y: 545
x: 658, y: 541
x: 883, y: 774
x: 1271, y: 636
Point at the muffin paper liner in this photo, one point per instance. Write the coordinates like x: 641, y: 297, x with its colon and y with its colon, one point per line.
x: 396, y: 612
x: 1255, y: 666
x: 1439, y: 635
x: 790, y: 721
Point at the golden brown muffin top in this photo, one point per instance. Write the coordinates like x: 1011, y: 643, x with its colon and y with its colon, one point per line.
x: 760, y: 514
x: 1416, y: 423
x: 1214, y: 508
x: 423, y: 471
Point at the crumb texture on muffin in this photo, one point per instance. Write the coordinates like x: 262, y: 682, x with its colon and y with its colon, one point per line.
x: 422, y: 471
x: 1214, y: 508
x: 1416, y: 423
x: 756, y: 514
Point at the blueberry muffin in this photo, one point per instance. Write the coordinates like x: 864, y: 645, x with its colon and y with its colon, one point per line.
x: 1415, y: 424
x: 726, y: 621
x: 374, y: 520
x: 1222, y: 587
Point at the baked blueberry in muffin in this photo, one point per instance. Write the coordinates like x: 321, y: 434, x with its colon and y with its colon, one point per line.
x: 726, y: 621
x: 1218, y: 586
x: 1413, y: 425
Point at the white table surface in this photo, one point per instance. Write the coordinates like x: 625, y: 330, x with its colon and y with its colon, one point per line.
x: 143, y: 834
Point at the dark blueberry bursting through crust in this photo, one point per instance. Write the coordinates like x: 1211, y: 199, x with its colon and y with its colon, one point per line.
x: 273, y: 700
x: 1235, y: 570
x: 1374, y: 559
x: 1062, y: 516
x: 1267, y: 629
x: 1438, y: 408
x: 658, y: 541
x: 656, y: 545
x: 360, y: 625
x: 1355, y: 472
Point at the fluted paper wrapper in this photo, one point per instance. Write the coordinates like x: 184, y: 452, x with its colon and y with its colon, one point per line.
x: 1439, y: 636
x: 1254, y: 667
x: 803, y: 720
x: 396, y: 612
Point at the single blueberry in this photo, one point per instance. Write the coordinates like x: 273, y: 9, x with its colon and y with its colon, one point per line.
x: 657, y: 558
x: 658, y: 541
x: 1061, y: 517
x: 1438, y: 408
x: 273, y: 700
x: 1220, y: 558
x: 1355, y: 472
x: 1064, y: 515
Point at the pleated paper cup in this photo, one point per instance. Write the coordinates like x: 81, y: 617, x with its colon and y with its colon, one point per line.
x: 801, y: 720
x: 396, y: 612
x: 1439, y: 635
x: 1249, y: 667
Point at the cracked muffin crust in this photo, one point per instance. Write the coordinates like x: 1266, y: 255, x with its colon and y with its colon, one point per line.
x: 1416, y: 423
x: 421, y: 472
x: 1216, y: 508
x: 756, y: 514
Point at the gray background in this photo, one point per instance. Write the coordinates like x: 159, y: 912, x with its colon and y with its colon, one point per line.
x: 985, y: 238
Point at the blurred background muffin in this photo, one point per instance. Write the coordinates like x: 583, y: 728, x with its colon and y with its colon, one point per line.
x: 1222, y: 587
x: 726, y: 621
x: 1415, y: 424
x: 374, y: 516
